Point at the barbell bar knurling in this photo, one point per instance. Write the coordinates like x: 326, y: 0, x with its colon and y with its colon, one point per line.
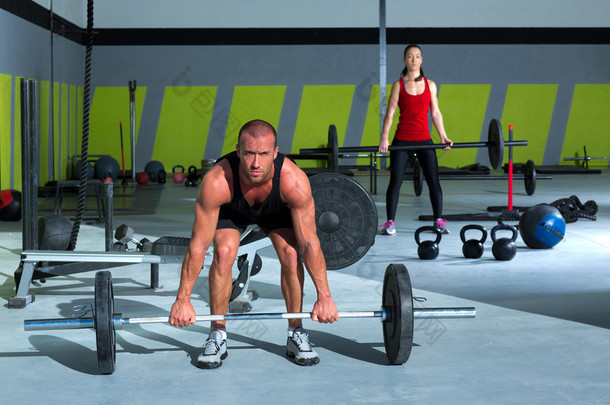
x: 88, y: 323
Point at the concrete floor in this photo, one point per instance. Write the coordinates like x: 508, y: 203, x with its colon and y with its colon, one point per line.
x: 541, y: 334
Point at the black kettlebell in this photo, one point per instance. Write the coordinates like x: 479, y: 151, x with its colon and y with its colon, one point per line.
x: 473, y: 248
x: 192, y: 178
x: 428, y: 249
x: 162, y: 177
x: 504, y: 248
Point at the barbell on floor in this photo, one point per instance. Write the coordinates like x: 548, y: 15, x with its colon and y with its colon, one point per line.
x: 495, y: 146
x: 585, y: 159
x: 529, y: 177
x: 396, y: 313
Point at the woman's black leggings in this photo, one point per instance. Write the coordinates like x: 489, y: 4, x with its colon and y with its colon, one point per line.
x: 429, y: 164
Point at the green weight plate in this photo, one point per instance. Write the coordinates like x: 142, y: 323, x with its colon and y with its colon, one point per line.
x: 397, y: 298
x: 495, y: 140
x: 333, y: 145
x: 105, y: 335
x: 346, y: 218
x: 530, y: 177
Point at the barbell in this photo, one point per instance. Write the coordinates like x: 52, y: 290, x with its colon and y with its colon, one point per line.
x: 586, y: 158
x: 495, y: 146
x: 396, y: 313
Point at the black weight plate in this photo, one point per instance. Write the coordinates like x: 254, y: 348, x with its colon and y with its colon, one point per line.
x: 495, y: 147
x: 418, y: 178
x: 397, y: 297
x: 530, y: 177
x: 105, y: 335
x: 333, y: 146
x: 240, y: 282
x: 257, y: 265
x: 346, y: 218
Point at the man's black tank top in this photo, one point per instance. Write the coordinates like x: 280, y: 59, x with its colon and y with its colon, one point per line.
x: 272, y: 204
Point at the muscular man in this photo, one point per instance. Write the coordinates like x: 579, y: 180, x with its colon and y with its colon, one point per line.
x: 255, y: 185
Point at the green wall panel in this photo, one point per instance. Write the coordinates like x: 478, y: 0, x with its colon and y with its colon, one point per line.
x: 463, y: 107
x: 372, y: 126
x: 5, y: 130
x: 588, y: 124
x: 109, y: 107
x: 62, y: 164
x: 321, y: 105
x: 79, y: 118
x: 74, y: 118
x: 56, y: 129
x: 529, y: 108
x: 16, y: 181
x: 253, y: 102
x: 184, y: 125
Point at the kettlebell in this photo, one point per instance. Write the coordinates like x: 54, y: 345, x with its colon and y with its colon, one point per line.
x: 504, y: 248
x: 192, y: 178
x: 428, y: 249
x: 178, y: 173
x: 473, y: 248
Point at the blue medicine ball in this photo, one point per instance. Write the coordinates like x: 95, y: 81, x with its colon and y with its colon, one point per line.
x: 76, y: 170
x: 154, y: 168
x: 107, y: 166
x: 542, y: 227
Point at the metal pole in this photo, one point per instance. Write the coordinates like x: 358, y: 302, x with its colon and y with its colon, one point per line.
x: 29, y: 163
x: 108, y: 213
x: 382, y: 70
x: 132, y: 123
x: 510, y: 168
x: 52, y: 96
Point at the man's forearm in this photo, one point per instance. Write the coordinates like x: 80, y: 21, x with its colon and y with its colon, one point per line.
x: 191, y: 267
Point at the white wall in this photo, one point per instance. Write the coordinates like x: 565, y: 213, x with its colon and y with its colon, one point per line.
x: 74, y: 11
x: 498, y: 13
x: 335, y: 13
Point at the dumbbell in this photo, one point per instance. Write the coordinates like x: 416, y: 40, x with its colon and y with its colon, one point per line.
x: 124, y: 234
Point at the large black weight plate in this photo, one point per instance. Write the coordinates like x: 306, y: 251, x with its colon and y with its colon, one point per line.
x: 333, y: 146
x: 397, y: 297
x: 530, y: 177
x: 346, y: 218
x: 495, y: 141
x: 418, y: 178
x: 105, y: 335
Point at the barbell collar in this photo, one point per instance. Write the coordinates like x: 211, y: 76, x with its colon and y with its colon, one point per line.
x: 88, y: 322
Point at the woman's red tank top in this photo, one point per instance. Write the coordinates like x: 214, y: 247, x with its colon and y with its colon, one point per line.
x: 413, y: 121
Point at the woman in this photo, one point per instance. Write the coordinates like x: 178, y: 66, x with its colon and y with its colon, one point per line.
x: 416, y: 96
